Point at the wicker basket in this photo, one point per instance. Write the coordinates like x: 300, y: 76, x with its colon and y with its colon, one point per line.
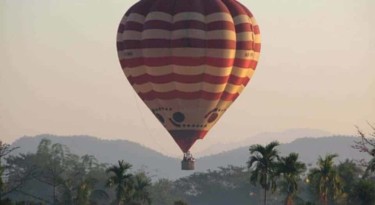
x: 187, y: 165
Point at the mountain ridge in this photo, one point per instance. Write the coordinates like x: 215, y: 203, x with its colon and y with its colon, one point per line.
x: 285, y: 136
x: 162, y: 166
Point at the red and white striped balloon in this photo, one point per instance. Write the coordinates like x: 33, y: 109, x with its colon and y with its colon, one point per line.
x: 188, y: 60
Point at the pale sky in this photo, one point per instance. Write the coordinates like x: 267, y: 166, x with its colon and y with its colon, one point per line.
x: 59, y: 72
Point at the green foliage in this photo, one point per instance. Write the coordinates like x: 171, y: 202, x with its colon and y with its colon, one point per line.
x: 161, y: 192
x: 180, y: 202
x: 349, y: 173
x: 54, y: 175
x: 263, y: 164
x: 2, y: 184
x: 130, y: 188
x: 122, y: 180
x: 366, y: 144
x: 325, y: 179
x: 290, y: 169
x: 6, y: 201
x: 363, y: 192
x: 5, y: 150
x: 227, y: 185
x: 141, y: 185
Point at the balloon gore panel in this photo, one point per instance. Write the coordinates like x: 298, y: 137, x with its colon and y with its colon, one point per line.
x: 188, y: 60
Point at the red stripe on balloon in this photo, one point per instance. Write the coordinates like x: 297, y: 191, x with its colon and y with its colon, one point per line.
x: 188, y: 24
x: 246, y: 81
x: 243, y: 63
x: 183, y: 61
x: 220, y: 25
x: 244, y: 27
x: 229, y: 97
x: 253, y: 64
x: 192, y: 43
x: 186, y: 138
x: 173, y: 77
x: 256, y: 29
x: 187, y: 61
x: 257, y: 47
x: 121, y: 28
x: 175, y: 94
x: 182, y: 43
x: 235, y: 80
x: 131, y: 26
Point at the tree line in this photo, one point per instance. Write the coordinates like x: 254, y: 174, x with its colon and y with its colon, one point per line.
x: 54, y: 175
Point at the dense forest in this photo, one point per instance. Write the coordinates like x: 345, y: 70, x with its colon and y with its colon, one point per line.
x: 54, y: 175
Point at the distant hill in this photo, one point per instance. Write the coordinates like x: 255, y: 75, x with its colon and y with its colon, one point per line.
x: 286, y: 136
x: 309, y: 150
x: 161, y: 166
x: 110, y: 151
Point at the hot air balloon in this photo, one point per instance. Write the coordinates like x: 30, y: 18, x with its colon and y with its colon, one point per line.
x: 188, y: 60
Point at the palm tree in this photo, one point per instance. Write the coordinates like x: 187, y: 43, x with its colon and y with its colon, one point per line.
x: 326, y: 179
x: 122, y: 180
x: 141, y: 185
x: 263, y: 159
x: 371, y: 166
x: 350, y: 173
x: 363, y: 192
x: 180, y: 202
x: 367, y: 144
x: 86, y: 192
x: 5, y: 149
x: 290, y: 169
x: 83, y: 193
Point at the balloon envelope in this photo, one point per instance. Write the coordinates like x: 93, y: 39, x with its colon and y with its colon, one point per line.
x: 188, y: 60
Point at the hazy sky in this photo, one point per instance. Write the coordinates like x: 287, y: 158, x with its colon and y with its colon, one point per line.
x: 59, y: 72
